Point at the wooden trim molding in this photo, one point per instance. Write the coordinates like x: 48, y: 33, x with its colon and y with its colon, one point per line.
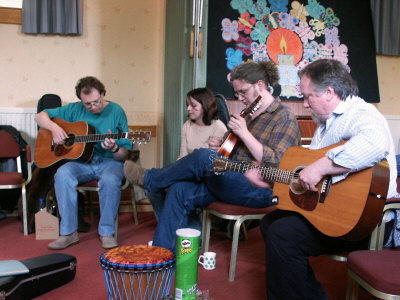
x: 151, y: 128
x: 10, y: 15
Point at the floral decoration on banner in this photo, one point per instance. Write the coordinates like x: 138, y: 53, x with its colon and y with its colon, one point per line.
x: 291, y: 33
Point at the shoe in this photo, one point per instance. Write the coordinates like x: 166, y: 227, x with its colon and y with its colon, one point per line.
x: 108, y: 242
x: 65, y: 241
x: 134, y: 173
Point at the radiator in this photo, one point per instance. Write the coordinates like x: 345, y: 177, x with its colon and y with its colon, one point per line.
x: 23, y: 119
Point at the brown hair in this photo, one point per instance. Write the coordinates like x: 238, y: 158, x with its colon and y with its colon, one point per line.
x: 85, y: 85
x: 207, y: 100
x: 252, y: 72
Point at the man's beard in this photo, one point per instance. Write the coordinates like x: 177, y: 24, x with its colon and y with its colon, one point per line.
x: 317, y: 118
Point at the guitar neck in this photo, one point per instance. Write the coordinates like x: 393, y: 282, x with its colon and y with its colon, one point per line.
x: 268, y: 173
x: 92, y: 138
x: 231, y: 138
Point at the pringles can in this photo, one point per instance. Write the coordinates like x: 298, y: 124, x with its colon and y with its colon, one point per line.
x: 187, y: 254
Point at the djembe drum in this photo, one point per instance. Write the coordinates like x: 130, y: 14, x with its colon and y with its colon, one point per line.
x: 138, y: 272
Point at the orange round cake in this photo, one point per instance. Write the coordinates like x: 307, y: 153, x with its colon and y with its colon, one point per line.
x: 138, y: 255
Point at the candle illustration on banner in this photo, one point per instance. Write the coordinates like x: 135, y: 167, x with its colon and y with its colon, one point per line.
x: 286, y: 50
x: 287, y: 71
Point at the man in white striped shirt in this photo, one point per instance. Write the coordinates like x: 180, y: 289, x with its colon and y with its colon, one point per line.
x: 331, y: 95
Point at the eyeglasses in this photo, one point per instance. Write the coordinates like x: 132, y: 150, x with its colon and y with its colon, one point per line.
x: 93, y: 103
x: 242, y: 92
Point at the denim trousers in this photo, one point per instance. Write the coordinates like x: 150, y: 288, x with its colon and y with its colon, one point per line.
x: 157, y: 202
x: 109, y: 173
x: 192, y: 184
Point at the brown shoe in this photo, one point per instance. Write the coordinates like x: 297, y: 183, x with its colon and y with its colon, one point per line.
x: 134, y: 173
x: 65, y: 241
x: 108, y: 242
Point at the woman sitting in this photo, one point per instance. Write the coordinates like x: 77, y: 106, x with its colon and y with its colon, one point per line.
x: 202, y: 125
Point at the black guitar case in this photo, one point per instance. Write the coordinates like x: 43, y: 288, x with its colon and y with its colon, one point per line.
x: 46, y: 273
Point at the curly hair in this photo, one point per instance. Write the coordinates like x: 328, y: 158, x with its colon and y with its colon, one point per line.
x: 207, y: 100
x: 252, y: 72
x: 85, y: 85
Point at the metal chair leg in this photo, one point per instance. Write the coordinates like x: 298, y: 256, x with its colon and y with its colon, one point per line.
x: 24, y: 209
x: 235, y: 243
x: 203, y: 229
x: 352, y: 289
x: 207, y: 231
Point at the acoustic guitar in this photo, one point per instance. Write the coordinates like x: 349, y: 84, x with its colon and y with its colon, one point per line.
x: 80, y: 142
x: 349, y: 209
x: 230, y: 141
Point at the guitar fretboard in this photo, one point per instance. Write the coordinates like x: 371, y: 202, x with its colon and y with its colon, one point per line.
x: 92, y: 138
x: 268, y: 173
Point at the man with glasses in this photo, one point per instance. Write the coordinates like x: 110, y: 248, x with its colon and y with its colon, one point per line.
x: 191, y: 183
x: 106, y: 164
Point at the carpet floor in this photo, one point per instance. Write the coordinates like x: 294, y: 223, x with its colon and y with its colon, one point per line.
x: 89, y: 281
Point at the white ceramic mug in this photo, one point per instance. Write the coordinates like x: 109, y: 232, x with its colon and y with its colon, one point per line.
x: 208, y: 260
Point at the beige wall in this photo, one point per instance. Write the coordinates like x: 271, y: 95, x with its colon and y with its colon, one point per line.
x: 388, y: 77
x: 122, y: 45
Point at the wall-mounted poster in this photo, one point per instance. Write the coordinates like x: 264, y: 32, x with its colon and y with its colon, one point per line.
x: 292, y: 34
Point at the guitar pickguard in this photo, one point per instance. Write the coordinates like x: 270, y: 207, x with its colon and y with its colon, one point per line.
x: 308, y: 200
x: 60, y: 150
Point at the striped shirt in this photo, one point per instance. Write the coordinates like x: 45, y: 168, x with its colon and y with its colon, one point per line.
x: 368, y: 139
x: 276, y: 129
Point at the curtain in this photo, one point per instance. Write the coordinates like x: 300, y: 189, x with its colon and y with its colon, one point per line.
x: 52, y: 16
x: 385, y: 17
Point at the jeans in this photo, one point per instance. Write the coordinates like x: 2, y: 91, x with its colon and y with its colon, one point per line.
x: 109, y: 173
x: 192, y: 184
x: 289, y: 241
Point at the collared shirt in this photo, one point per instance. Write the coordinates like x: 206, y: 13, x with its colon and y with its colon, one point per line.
x: 368, y: 139
x: 276, y: 129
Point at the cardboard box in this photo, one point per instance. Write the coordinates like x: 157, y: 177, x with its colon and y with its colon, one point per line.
x: 47, y: 226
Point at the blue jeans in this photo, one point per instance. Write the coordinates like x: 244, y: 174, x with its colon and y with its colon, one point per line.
x: 109, y: 172
x: 157, y: 202
x: 191, y: 183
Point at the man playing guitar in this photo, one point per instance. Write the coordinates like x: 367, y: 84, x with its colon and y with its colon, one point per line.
x: 331, y: 94
x: 106, y: 164
x: 263, y: 137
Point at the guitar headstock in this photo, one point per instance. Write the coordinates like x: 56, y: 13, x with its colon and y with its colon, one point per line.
x: 139, y: 136
x: 256, y: 106
x: 253, y: 107
x: 219, y: 165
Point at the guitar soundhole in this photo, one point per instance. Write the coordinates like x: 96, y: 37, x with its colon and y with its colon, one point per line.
x: 69, y: 142
x: 296, y: 188
x: 304, y: 199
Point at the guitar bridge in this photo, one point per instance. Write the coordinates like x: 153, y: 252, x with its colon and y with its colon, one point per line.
x: 326, y: 184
